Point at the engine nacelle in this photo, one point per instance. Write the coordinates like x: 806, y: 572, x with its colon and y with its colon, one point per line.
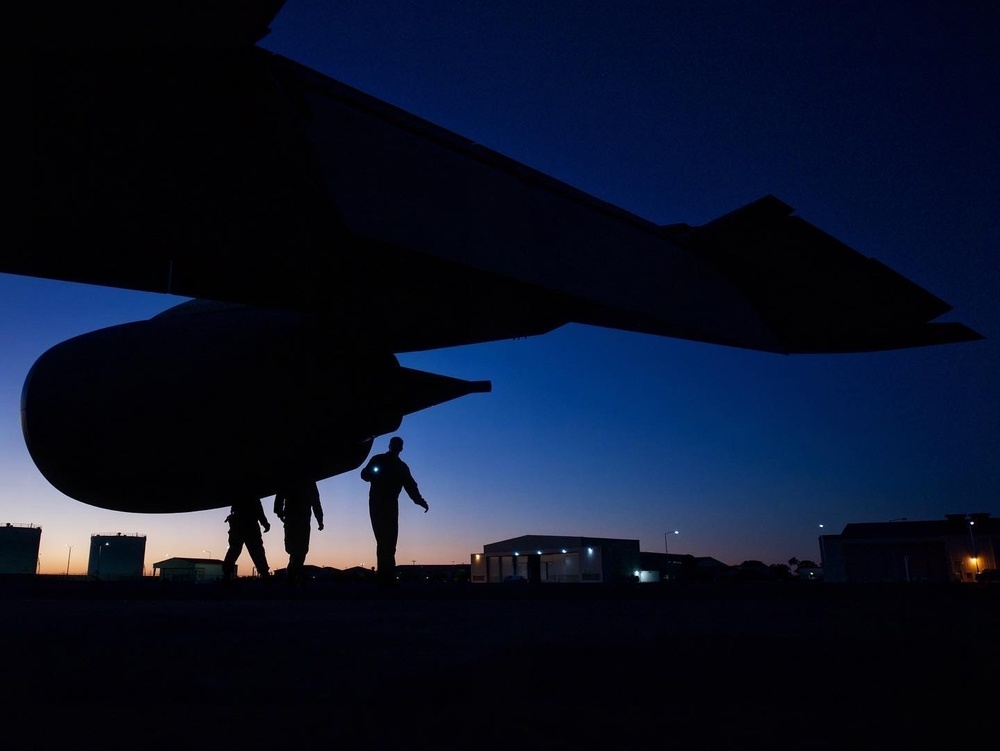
x: 206, y: 401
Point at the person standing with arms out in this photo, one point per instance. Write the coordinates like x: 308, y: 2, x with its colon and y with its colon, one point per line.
x: 295, y: 505
x: 246, y: 517
x: 387, y: 475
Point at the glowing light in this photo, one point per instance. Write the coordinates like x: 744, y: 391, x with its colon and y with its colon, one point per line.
x: 590, y: 551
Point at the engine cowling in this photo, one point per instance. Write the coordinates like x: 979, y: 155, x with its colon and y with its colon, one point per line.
x: 206, y: 401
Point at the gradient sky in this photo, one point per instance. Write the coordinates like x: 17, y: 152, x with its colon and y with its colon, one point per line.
x: 877, y: 122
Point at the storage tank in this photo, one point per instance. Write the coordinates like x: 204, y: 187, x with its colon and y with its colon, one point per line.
x: 117, y: 556
x: 19, y: 545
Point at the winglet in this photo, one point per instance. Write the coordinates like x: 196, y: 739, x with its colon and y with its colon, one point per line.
x: 816, y: 293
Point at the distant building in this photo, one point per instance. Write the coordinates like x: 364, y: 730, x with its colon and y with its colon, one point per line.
x: 358, y: 573
x: 313, y: 573
x: 809, y: 573
x: 434, y: 572
x: 188, y: 569
x: 552, y: 558
x: 19, y: 544
x: 958, y: 548
x: 681, y: 567
x: 117, y: 556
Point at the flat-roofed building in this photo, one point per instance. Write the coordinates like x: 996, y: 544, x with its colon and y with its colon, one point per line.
x: 557, y: 559
x: 958, y: 548
x: 188, y: 569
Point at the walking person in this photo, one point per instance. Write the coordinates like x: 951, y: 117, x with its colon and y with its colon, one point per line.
x: 295, y: 505
x: 246, y: 517
x: 387, y: 475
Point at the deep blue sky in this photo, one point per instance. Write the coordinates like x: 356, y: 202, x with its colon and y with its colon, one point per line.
x: 877, y: 122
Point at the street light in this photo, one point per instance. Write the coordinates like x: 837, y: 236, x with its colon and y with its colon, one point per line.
x: 207, y: 551
x: 666, y: 551
x: 100, y: 551
x: 68, y: 555
x: 822, y: 550
x: 675, y: 532
x: 972, y: 545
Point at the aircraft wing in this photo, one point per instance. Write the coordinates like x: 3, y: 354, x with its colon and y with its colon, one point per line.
x: 172, y: 154
x: 814, y: 291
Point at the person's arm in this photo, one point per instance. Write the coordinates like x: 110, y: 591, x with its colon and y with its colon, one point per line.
x: 279, y: 506
x: 318, y: 513
x: 366, y: 473
x: 410, y: 485
x: 261, y: 518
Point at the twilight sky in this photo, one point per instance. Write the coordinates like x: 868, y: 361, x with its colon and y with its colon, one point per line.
x: 877, y: 122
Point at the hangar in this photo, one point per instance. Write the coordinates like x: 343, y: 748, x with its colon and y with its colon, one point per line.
x: 554, y: 558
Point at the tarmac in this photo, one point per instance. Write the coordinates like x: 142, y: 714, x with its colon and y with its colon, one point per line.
x: 795, y: 665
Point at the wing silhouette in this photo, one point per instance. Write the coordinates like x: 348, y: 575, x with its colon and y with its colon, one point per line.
x: 172, y: 154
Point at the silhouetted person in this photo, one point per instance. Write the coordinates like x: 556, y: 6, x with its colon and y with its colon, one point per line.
x: 295, y: 505
x: 387, y: 475
x: 245, y: 519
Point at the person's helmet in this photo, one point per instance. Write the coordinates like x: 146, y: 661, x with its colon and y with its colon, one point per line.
x: 396, y: 443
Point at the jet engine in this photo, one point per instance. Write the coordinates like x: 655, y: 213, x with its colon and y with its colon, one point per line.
x: 207, y: 401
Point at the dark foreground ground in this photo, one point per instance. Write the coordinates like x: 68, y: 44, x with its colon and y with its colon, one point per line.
x: 774, y: 666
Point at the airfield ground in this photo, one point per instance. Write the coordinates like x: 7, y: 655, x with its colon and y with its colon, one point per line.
x: 777, y: 666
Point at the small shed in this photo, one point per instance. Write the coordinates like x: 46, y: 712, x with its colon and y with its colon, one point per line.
x: 189, y: 569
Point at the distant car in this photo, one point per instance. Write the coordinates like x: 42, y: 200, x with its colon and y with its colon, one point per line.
x: 515, y: 579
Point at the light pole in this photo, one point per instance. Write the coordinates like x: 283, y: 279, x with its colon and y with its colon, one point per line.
x: 207, y: 551
x: 972, y: 545
x: 68, y: 556
x: 822, y: 550
x: 666, y: 551
x: 100, y: 551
